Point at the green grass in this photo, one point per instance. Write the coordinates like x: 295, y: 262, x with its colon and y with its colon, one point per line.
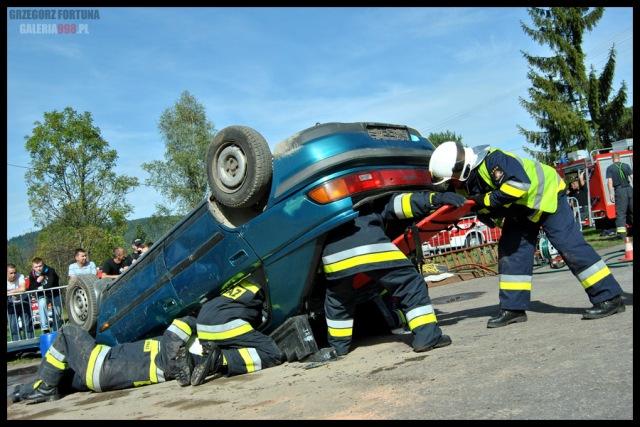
x: 592, y: 236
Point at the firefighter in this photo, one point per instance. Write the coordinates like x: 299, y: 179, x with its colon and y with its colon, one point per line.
x: 620, y: 184
x: 362, y: 247
x: 228, y: 337
x: 529, y: 195
x: 100, y: 368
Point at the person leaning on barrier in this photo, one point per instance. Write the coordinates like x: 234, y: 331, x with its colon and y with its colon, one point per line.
x: 529, y: 195
x: 114, y: 267
x: 43, y: 278
x: 100, y: 368
x: 18, y: 304
x: 620, y: 183
x: 82, y: 264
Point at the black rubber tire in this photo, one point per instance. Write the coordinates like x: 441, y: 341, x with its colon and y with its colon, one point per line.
x: 239, y: 167
x: 81, y: 302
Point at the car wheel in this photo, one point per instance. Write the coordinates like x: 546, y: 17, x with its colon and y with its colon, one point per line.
x: 239, y: 166
x: 82, y: 305
x: 473, y: 239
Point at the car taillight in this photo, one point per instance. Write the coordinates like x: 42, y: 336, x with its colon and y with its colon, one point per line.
x: 359, y: 182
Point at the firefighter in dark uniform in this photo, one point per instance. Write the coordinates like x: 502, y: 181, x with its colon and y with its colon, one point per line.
x: 619, y: 181
x: 227, y: 332
x: 99, y: 367
x: 529, y: 195
x: 362, y: 247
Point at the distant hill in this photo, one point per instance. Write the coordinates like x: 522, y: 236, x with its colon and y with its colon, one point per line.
x: 153, y: 228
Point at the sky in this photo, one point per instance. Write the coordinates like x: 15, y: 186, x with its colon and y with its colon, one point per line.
x: 278, y: 70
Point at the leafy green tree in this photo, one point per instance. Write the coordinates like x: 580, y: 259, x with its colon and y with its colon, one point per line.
x: 626, y: 125
x: 181, y: 177
x: 607, y: 115
x: 71, y: 179
x: 15, y: 255
x: 558, y: 95
x: 436, y: 138
x: 140, y: 233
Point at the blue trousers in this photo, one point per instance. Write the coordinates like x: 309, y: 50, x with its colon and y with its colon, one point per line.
x: 517, y: 246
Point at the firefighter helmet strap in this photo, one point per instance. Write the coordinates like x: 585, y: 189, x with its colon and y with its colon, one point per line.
x: 459, y: 164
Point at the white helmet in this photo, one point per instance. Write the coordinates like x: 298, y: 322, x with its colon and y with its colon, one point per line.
x: 452, y: 160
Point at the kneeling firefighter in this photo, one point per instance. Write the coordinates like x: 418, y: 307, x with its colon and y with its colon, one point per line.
x: 529, y: 195
x: 99, y: 367
x: 226, y: 332
x: 363, y: 247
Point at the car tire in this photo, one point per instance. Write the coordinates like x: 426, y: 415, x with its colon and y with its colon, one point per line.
x: 473, y: 239
x: 239, y: 167
x: 82, y: 302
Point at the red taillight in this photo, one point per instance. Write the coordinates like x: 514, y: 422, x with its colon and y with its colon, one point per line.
x: 359, y: 182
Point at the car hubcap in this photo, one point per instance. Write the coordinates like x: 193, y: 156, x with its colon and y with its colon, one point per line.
x: 80, y: 305
x: 232, y: 166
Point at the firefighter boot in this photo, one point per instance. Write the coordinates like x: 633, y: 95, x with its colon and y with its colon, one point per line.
x: 211, y: 360
x: 183, y: 367
x: 506, y: 317
x: 443, y: 341
x: 38, y: 394
x: 604, y: 308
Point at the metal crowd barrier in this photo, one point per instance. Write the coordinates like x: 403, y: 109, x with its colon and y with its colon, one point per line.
x: 31, y: 314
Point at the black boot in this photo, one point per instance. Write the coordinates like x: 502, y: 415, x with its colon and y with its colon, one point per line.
x: 211, y: 360
x: 42, y: 393
x: 604, y: 308
x: 506, y: 317
x: 183, y: 367
x: 443, y: 341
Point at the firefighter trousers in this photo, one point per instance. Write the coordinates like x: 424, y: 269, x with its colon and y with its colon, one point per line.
x: 229, y: 325
x: 516, y: 250
x: 100, y: 368
x: 624, y: 208
x: 403, y: 283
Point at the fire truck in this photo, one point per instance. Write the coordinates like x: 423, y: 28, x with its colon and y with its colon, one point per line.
x: 600, y: 211
x: 468, y: 232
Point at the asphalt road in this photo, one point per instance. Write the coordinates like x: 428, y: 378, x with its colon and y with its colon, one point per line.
x: 554, y: 366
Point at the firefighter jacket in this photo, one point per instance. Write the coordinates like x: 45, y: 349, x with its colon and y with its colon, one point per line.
x: 362, y: 244
x: 507, y: 180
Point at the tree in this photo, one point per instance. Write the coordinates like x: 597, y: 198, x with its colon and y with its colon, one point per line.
x: 559, y: 83
x: 71, y: 180
x: 140, y: 233
x: 608, y: 117
x: 438, y: 138
x: 182, y: 178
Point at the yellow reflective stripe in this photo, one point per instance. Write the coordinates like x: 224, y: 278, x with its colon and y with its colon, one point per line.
x: 515, y: 286
x: 153, y: 373
x: 92, y: 364
x: 406, y: 205
x: 487, y: 199
x: 251, y: 287
x: 340, y: 332
x: 596, y: 277
x: 224, y: 360
x: 364, y: 259
x: 248, y: 361
x: 422, y: 320
x: 215, y: 336
x: 55, y: 362
x: 621, y: 229
x: 402, y: 317
x: 512, y: 191
x: 184, y: 327
x: 37, y: 384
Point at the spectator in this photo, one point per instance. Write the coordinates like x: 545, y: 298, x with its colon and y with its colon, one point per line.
x: 43, y: 277
x: 578, y: 190
x: 82, y: 264
x: 17, y: 304
x: 113, y: 267
x: 620, y: 183
x: 136, y: 247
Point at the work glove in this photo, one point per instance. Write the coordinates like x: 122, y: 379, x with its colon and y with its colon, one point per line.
x: 448, y: 198
x: 487, y: 220
x: 479, y: 199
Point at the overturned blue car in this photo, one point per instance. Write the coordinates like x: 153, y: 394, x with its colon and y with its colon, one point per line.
x: 267, y: 216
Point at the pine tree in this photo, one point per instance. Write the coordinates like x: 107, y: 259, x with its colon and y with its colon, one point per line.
x: 558, y: 96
